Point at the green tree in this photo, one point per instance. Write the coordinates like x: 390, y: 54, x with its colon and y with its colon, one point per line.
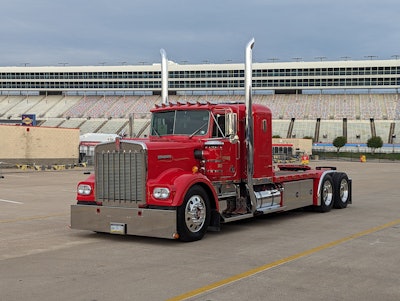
x: 374, y: 143
x: 339, y: 142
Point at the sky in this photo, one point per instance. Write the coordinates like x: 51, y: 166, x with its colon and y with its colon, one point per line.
x: 132, y: 32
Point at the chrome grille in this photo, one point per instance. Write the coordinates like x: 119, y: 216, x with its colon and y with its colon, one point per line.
x: 120, y: 175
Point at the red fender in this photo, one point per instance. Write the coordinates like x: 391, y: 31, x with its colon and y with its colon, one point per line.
x: 179, y: 182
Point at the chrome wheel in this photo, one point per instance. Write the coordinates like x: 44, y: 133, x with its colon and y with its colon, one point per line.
x: 327, y: 193
x: 344, y: 190
x: 195, y: 213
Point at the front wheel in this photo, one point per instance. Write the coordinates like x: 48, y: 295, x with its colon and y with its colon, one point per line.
x: 194, y: 215
x: 326, y: 194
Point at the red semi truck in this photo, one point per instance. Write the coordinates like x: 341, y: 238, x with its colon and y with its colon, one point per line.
x: 203, y: 164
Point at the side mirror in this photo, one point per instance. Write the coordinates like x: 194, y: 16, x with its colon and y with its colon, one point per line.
x: 231, y: 127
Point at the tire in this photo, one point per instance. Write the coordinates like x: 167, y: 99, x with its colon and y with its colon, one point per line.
x: 194, y: 215
x: 342, y: 190
x: 326, y: 194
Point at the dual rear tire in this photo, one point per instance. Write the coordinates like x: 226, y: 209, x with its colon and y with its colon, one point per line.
x: 335, y: 192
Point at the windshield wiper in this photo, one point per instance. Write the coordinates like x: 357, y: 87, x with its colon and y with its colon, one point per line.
x: 155, y: 131
x: 198, y: 130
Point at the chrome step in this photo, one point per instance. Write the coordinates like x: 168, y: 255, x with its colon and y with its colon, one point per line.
x: 270, y: 209
x: 236, y: 217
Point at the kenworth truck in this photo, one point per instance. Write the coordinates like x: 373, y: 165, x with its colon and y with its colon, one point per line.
x: 203, y: 164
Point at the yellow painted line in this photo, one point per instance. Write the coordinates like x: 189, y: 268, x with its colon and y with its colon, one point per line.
x: 31, y: 218
x: 268, y: 266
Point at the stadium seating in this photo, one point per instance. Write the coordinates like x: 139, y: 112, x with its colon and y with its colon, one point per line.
x: 92, y: 125
x: 113, y: 126
x: 52, y: 122
x: 72, y: 123
x: 101, y: 106
x: 81, y: 107
x: 122, y: 107
x: 44, y: 105
x: 61, y: 106
x: 8, y: 103
x: 110, y: 114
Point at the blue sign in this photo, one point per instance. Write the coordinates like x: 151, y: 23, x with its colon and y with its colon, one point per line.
x: 28, y: 119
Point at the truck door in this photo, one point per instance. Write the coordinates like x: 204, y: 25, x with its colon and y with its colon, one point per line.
x: 230, y: 155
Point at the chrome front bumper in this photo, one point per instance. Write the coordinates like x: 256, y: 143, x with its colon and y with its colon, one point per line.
x: 126, y: 221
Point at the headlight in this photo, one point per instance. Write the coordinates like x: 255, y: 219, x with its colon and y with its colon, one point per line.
x: 161, y: 193
x: 84, y: 189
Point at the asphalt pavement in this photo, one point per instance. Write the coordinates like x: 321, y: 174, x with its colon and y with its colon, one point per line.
x: 345, y: 254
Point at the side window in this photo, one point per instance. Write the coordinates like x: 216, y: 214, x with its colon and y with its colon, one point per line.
x: 219, y: 126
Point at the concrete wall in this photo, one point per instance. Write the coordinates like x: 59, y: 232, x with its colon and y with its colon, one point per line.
x: 38, y: 145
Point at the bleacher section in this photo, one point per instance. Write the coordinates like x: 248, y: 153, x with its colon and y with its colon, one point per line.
x: 82, y: 107
x: 23, y: 107
x: 72, y: 123
x: 53, y: 122
x: 113, y: 126
x: 92, y: 125
x: 110, y: 114
x: 62, y: 105
x: 101, y: 107
x: 122, y: 107
x: 8, y: 103
x: 44, y: 105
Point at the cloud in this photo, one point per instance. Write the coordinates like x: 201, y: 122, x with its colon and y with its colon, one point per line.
x: 46, y: 31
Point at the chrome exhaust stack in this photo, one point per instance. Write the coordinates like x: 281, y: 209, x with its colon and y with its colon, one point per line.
x: 164, y: 76
x: 248, y: 81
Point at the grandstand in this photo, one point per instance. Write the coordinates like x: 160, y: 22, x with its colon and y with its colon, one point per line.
x: 322, y: 100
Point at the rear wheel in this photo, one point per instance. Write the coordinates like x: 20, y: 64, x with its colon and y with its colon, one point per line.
x: 194, y: 215
x: 326, y: 194
x: 342, y: 190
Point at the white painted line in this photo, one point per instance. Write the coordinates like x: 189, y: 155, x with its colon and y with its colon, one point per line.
x: 12, y: 202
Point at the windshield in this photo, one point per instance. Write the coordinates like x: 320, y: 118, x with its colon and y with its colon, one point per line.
x: 180, y: 123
